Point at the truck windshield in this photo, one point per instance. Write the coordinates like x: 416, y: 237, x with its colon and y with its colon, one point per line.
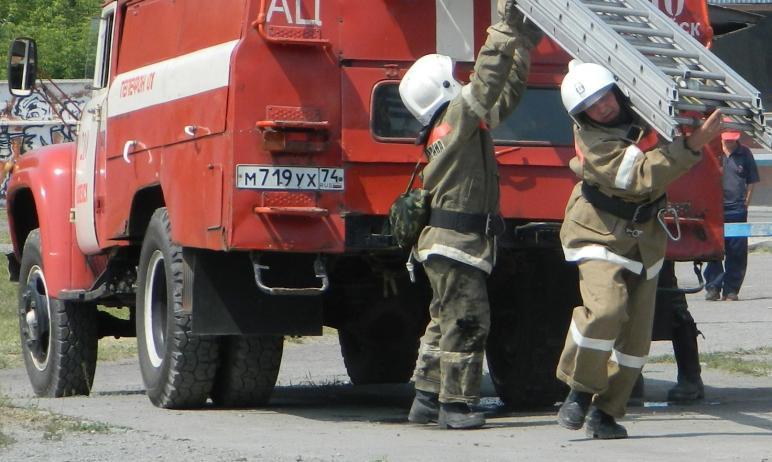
x: 539, y: 118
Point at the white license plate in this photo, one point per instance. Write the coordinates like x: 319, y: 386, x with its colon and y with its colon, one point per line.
x: 295, y: 178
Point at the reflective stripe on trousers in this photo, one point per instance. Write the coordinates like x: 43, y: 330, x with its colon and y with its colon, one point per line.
x: 609, y: 338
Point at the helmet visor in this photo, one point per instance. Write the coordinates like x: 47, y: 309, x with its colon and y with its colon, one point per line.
x: 592, y: 99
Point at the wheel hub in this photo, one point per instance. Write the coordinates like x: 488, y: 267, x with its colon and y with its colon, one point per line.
x: 35, y: 318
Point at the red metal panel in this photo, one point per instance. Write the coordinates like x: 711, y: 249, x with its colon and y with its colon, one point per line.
x: 253, y: 230
x: 387, y: 30
x: 206, y: 23
x: 691, y: 15
x: 535, y: 192
x: 192, y: 182
x: 47, y: 173
x: 156, y: 30
x: 150, y: 32
x: 699, y: 198
x: 305, y: 80
x: 371, y: 188
x: 527, y: 191
x: 164, y: 123
x: 153, y: 128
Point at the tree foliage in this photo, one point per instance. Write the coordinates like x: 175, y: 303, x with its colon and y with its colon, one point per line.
x: 63, y: 29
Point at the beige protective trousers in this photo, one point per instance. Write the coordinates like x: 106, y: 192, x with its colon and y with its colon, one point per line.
x: 609, y: 338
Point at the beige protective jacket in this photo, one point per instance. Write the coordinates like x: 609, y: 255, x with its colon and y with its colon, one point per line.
x: 629, y: 170
x: 462, y: 174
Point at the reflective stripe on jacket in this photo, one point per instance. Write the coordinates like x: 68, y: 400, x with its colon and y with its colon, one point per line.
x: 462, y: 174
x: 637, y: 171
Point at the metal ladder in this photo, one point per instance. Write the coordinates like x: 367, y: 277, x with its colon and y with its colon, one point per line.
x: 670, y: 78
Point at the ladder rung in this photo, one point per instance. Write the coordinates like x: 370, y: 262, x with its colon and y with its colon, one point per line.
x: 588, y: 3
x: 719, y: 96
x: 649, y: 43
x: 662, y: 61
x: 694, y: 122
x: 667, y: 52
x: 708, y: 107
x: 690, y: 73
x: 618, y: 10
x: 701, y: 87
x: 641, y: 31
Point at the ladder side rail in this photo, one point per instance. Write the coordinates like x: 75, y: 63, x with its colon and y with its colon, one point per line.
x: 651, y: 92
x: 707, y: 60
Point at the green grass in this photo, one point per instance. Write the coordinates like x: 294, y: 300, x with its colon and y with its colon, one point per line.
x: 9, y: 324
x: 52, y: 426
x: 756, y: 362
x: 326, y: 331
x: 5, y: 440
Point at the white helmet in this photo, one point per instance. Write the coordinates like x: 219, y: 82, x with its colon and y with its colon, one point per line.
x: 427, y: 85
x: 584, y: 84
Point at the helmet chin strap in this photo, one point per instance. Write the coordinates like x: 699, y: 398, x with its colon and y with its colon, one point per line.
x: 423, y: 135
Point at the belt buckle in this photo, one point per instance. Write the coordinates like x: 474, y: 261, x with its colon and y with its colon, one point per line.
x: 494, y: 228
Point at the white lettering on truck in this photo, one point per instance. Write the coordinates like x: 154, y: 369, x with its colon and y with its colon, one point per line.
x: 138, y: 84
x: 674, y: 8
x: 280, y: 6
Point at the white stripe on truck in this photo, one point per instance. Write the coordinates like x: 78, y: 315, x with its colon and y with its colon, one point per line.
x: 455, y: 29
x: 187, y: 75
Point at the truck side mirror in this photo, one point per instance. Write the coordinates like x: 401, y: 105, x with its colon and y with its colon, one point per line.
x: 22, y: 66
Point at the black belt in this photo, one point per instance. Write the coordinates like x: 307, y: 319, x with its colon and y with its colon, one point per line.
x: 637, y: 213
x: 479, y: 223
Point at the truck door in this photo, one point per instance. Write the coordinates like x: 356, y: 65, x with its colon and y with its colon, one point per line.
x: 91, y: 139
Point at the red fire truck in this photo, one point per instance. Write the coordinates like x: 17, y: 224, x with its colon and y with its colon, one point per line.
x: 229, y: 185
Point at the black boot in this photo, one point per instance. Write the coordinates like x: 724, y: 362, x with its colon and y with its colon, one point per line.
x: 574, y: 409
x: 458, y: 416
x: 689, y: 387
x: 603, y: 426
x: 425, y: 408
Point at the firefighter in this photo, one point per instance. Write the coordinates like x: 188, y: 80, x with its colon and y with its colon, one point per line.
x: 457, y: 247
x: 614, y: 229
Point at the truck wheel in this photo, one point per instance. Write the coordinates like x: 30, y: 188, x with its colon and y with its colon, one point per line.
x: 369, y: 361
x: 58, y: 338
x: 248, y: 369
x: 178, y: 368
x: 531, y: 304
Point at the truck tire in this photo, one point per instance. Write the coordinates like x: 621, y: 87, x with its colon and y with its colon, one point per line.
x: 248, y: 369
x: 58, y: 338
x: 368, y: 361
x: 380, y: 316
x: 178, y: 368
x: 532, y: 299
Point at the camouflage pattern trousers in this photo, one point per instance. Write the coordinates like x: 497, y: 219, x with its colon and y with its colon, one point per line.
x: 451, y: 355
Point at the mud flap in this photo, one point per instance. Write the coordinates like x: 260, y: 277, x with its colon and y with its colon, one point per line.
x: 219, y: 290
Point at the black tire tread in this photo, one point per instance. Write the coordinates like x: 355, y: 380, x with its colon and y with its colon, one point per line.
x: 370, y: 362
x: 193, y: 360
x: 76, y: 353
x: 248, y: 370
x: 74, y: 344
